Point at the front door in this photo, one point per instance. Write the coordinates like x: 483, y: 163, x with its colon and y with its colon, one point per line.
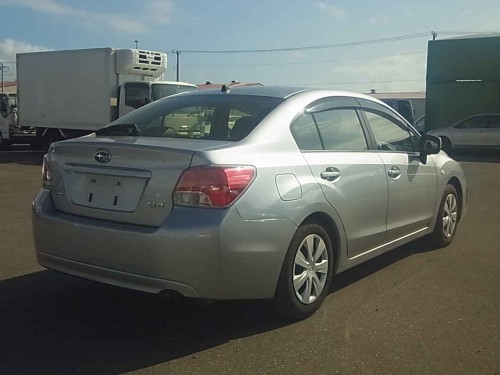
x: 412, y: 185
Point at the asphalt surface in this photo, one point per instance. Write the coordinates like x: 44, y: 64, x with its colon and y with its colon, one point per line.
x: 412, y: 311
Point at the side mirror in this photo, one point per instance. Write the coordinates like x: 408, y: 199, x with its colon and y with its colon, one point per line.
x: 429, y: 145
x: 4, y: 107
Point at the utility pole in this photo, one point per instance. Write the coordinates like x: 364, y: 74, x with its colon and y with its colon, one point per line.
x: 2, y: 67
x: 434, y: 35
x: 178, y: 53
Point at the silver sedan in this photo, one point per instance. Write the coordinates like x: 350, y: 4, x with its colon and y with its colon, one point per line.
x: 244, y: 193
x: 478, y: 131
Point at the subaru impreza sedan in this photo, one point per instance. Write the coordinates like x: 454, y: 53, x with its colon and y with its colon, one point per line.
x: 274, y: 192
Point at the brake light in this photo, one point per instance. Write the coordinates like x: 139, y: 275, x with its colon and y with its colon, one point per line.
x: 212, y: 186
x: 46, y: 171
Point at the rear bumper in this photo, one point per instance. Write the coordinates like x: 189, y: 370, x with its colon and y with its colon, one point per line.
x: 200, y: 253
x: 114, y: 277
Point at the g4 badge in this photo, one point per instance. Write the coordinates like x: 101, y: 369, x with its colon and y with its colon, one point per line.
x: 156, y: 205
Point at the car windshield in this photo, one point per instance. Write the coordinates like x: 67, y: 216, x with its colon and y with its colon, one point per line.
x: 208, y: 116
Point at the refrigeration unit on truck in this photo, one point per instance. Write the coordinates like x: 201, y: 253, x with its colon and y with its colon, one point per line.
x: 65, y: 94
x: 10, y: 131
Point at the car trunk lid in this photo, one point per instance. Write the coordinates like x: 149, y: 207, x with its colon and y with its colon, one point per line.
x: 122, y: 179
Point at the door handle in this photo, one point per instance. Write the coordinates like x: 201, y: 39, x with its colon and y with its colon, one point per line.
x: 330, y: 174
x: 394, y: 172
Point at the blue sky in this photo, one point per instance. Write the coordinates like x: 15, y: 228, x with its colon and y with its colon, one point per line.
x: 187, y: 25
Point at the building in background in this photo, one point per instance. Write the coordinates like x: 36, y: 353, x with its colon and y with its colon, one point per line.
x: 9, y: 86
x: 463, y: 79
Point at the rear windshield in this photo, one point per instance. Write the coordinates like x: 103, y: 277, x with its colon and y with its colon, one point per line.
x: 219, y: 116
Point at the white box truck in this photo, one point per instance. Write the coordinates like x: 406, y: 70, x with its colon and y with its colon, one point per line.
x: 65, y: 94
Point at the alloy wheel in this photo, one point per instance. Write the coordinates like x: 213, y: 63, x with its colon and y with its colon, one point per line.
x: 310, y: 269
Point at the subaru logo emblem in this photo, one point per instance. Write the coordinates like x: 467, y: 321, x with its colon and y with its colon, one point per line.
x: 102, y: 157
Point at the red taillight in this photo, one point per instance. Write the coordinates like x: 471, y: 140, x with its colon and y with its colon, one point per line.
x: 212, y: 186
x: 46, y: 171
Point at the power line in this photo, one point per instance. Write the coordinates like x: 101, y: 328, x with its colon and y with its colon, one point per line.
x: 307, y: 62
x: 326, y: 46
x: 347, y: 44
x: 358, y: 82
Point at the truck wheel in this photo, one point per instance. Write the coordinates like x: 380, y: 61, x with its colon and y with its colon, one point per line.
x: 306, y: 273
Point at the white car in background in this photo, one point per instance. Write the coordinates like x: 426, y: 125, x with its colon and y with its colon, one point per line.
x: 478, y: 131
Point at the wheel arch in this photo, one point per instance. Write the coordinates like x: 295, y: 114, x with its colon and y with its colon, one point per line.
x: 331, y: 227
x: 446, y: 143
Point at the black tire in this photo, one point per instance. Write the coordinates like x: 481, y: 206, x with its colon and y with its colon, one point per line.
x: 286, y: 302
x: 4, y: 143
x: 447, y: 219
x: 446, y: 145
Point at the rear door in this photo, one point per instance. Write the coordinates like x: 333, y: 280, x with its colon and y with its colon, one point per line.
x: 334, y: 144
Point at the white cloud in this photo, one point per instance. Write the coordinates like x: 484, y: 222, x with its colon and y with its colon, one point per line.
x: 385, y: 74
x: 333, y: 10
x: 379, y: 19
x: 158, y: 12
x: 297, y: 55
x: 9, y: 48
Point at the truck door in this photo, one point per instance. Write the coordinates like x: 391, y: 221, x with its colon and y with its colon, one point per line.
x: 133, y: 95
x: 4, y: 117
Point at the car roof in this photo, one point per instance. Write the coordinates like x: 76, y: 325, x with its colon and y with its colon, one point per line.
x: 282, y: 92
x: 272, y: 91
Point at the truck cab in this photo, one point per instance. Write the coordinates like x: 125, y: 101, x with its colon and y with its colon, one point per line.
x: 133, y: 95
x: 10, y: 131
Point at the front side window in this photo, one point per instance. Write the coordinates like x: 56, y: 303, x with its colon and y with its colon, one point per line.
x: 389, y: 134
x: 136, y: 94
x: 495, y: 122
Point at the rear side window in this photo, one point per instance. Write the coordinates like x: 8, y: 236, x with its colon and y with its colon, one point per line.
x: 340, y: 129
x: 305, y: 132
x: 331, y: 130
x: 478, y: 122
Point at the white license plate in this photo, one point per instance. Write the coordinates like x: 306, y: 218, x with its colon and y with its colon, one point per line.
x: 116, y: 193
